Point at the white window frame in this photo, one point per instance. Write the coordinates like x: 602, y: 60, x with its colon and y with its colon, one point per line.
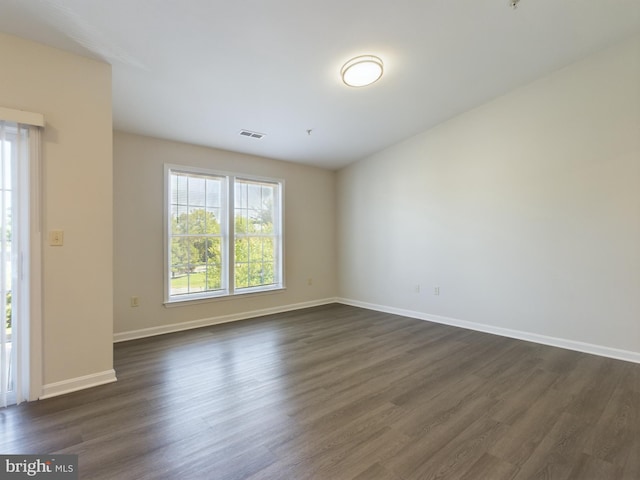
x: 227, y: 225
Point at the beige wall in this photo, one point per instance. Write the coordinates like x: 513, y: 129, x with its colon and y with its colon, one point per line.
x: 74, y: 95
x: 310, y: 249
x: 525, y: 211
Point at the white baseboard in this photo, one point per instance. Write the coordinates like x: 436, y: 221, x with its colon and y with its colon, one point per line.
x: 206, y: 322
x: 78, y: 383
x: 600, y: 350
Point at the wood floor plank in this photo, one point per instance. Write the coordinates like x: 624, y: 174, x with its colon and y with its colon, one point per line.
x: 449, y: 412
x: 490, y: 467
x: 558, y: 453
x: 619, y: 424
x: 527, y: 431
x: 588, y: 467
x: 517, y: 402
x: 378, y: 472
x: 343, y: 393
x: 592, y: 400
x: 632, y: 466
x: 457, y: 457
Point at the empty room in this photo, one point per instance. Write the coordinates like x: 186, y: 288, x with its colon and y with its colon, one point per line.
x: 289, y: 240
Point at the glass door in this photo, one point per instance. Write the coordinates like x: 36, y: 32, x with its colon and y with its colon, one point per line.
x: 13, y: 237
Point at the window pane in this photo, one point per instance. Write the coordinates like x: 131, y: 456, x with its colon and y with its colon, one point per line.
x: 241, y: 195
x: 173, y: 185
x: 255, y: 249
x: 181, y: 194
x: 195, y: 210
x: 179, y: 219
x: 179, y: 279
x: 214, y: 277
x: 197, y: 279
x: 213, y: 220
x: 242, y: 250
x: 268, y: 250
x: 242, y: 221
x: 242, y: 275
x: 213, y: 193
x: 257, y: 234
x: 196, y: 191
x: 214, y: 251
x: 203, y: 222
x: 179, y: 252
x: 268, y: 271
x: 255, y: 274
x: 254, y: 196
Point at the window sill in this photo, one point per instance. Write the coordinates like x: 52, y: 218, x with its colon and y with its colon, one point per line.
x: 195, y: 301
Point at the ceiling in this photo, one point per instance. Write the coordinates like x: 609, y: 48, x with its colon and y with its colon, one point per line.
x: 199, y: 71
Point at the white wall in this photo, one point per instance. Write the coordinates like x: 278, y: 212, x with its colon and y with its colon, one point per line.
x: 74, y: 95
x: 525, y: 211
x: 310, y: 241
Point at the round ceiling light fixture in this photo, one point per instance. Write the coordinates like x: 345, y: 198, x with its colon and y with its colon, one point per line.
x: 362, y: 71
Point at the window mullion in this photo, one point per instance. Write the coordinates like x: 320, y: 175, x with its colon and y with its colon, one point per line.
x: 231, y: 222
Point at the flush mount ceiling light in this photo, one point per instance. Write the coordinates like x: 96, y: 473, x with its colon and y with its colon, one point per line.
x: 361, y: 71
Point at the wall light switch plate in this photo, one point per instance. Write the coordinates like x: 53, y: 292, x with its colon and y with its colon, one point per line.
x: 56, y: 238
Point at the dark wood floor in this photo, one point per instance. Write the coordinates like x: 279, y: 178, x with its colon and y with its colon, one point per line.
x: 338, y: 392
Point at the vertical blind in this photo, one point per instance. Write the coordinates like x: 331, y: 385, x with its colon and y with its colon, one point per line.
x: 15, y: 146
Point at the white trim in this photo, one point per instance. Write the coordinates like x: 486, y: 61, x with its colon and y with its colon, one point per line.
x: 599, y: 350
x: 222, y: 298
x: 22, y: 116
x: 205, y: 322
x: 78, y: 383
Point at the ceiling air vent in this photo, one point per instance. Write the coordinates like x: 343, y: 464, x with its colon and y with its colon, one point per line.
x: 249, y: 133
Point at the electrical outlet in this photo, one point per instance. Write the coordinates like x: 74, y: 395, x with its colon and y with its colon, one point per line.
x: 416, y: 289
x: 135, y: 301
x: 436, y: 290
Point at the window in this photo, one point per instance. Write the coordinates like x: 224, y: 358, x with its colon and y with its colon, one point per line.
x: 224, y: 234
